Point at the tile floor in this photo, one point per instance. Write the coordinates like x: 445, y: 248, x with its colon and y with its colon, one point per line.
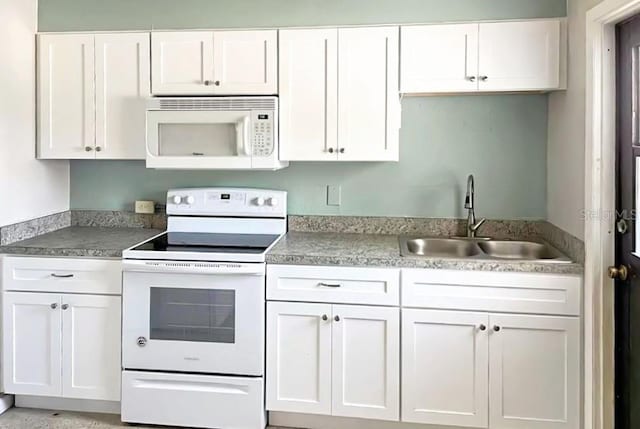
x: 26, y: 418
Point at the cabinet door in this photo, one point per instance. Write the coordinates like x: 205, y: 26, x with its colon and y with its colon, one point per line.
x: 366, y: 362
x: 91, y: 347
x: 534, y: 372
x: 182, y: 63
x: 32, y: 326
x: 299, y: 357
x: 445, y: 368
x: 245, y: 62
x: 308, y: 94
x: 368, y: 98
x: 515, y: 56
x: 66, y: 123
x: 122, y: 86
x: 439, y: 58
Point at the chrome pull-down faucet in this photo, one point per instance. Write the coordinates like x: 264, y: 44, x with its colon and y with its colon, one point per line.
x: 472, y: 225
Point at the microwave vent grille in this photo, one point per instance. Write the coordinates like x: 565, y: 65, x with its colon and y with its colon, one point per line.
x: 218, y: 104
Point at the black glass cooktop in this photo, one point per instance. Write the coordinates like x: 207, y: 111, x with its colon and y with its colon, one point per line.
x: 208, y: 243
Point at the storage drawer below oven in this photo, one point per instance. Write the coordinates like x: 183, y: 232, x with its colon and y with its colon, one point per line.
x: 202, y: 401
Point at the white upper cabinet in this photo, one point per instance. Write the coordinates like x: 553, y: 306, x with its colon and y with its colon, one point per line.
x: 368, y: 97
x: 439, y: 58
x: 214, y: 63
x: 485, y: 57
x: 519, y: 56
x: 91, y: 96
x: 122, y: 87
x: 445, y: 368
x: 182, y: 62
x: 308, y: 94
x: 534, y: 372
x: 66, y: 96
x: 339, y: 98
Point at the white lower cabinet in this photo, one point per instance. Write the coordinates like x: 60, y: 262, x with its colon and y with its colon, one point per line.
x: 445, y: 367
x: 61, y: 345
x: 333, y: 359
x: 534, y: 372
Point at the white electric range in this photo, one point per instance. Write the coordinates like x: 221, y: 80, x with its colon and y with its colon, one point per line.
x: 193, y: 311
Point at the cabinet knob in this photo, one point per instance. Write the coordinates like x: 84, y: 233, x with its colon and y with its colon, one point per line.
x: 483, y: 78
x: 496, y: 328
x: 482, y: 327
x: 471, y: 78
x: 54, y: 305
x: 141, y: 341
x: 330, y: 150
x: 337, y: 318
x: 341, y: 150
x: 212, y: 82
x: 88, y: 149
x: 325, y: 317
x: 98, y: 149
x: 65, y: 306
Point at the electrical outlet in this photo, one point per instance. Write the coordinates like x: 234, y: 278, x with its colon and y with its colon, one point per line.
x: 334, y: 196
x: 145, y: 207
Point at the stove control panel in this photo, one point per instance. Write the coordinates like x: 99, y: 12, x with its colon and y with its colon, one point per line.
x: 227, y: 202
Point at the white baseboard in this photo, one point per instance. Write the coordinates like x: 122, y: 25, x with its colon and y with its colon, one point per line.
x: 6, y: 402
x: 311, y: 421
x: 63, y: 404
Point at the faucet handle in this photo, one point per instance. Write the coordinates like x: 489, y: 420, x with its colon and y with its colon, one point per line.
x: 477, y: 225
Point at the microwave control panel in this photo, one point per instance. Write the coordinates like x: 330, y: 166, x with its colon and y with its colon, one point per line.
x: 263, y: 132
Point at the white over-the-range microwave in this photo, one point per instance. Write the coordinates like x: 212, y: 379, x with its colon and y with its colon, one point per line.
x: 215, y: 133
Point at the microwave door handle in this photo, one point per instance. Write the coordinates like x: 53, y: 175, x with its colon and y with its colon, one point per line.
x: 242, y: 136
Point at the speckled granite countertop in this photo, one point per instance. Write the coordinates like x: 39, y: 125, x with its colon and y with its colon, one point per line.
x: 323, y: 248
x: 81, y: 241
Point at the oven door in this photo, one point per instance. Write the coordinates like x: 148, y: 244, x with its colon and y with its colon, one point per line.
x: 199, y: 139
x: 193, y: 317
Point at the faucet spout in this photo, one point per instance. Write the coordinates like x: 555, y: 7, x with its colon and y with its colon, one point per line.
x: 472, y: 224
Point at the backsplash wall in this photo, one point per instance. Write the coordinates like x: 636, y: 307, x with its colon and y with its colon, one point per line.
x: 499, y: 138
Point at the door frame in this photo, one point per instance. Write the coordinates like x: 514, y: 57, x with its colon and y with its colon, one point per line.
x: 600, y: 206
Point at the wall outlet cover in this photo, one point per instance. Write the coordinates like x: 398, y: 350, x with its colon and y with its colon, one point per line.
x: 334, y: 197
x: 145, y: 207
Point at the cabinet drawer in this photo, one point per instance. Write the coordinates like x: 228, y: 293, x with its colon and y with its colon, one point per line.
x: 348, y: 285
x: 492, y: 291
x: 64, y: 275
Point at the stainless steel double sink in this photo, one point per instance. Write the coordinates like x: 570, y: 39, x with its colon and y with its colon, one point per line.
x: 480, y: 248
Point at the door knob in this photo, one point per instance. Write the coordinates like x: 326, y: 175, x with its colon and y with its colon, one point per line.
x: 619, y: 273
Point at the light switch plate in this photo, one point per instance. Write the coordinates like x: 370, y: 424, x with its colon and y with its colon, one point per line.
x: 334, y: 196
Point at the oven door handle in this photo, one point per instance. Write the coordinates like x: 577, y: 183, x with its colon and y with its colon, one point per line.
x: 194, y: 268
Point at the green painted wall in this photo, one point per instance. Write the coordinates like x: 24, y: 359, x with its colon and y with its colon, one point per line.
x: 499, y: 138
x: 63, y: 15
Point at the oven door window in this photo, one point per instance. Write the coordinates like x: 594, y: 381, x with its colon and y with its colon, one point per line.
x: 202, y: 315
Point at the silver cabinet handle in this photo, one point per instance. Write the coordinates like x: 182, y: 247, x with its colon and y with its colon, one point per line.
x: 62, y: 276
x: 88, y: 149
x: 141, y: 341
x: 337, y: 318
x: 325, y: 317
x: 329, y: 284
x: 471, y: 78
x: 482, y: 327
x: 65, y: 306
x: 54, y: 305
x: 483, y: 78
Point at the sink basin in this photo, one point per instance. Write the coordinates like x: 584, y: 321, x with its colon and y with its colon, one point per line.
x: 480, y: 248
x: 519, y: 250
x: 443, y: 247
